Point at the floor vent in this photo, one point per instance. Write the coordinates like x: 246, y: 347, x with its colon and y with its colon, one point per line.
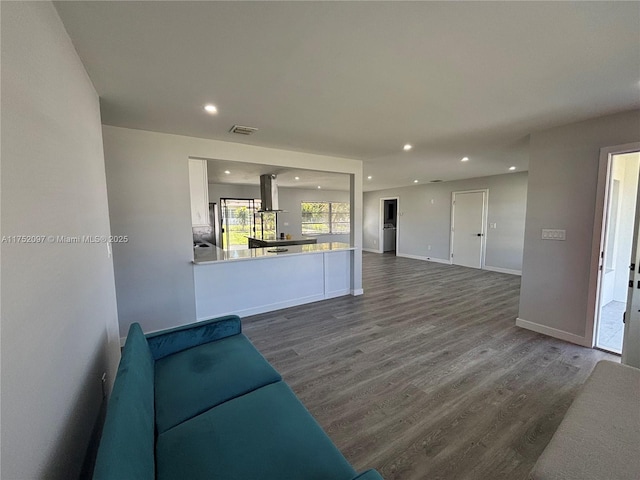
x: 241, y: 130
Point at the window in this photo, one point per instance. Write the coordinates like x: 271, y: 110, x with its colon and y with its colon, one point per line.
x: 325, y: 217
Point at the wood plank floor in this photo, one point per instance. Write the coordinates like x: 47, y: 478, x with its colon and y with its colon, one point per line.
x: 426, y: 376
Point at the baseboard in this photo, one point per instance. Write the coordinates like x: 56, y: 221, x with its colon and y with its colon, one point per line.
x: 553, y: 332
x: 356, y: 292
x: 426, y: 259
x: 337, y: 293
x: 503, y: 270
x: 266, y: 308
x: 371, y: 250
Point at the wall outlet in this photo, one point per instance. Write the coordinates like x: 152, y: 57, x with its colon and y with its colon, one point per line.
x: 428, y: 247
x: 493, y: 225
x: 432, y: 201
x: 286, y: 224
x: 554, y: 234
x: 375, y: 242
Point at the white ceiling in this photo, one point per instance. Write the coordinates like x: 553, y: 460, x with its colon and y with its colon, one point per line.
x: 361, y: 79
x: 249, y: 174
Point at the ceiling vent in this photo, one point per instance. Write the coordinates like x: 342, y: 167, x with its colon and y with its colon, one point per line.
x: 435, y: 181
x: 241, y: 130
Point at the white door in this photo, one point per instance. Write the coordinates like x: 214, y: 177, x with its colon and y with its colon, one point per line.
x: 631, y: 338
x: 467, y: 228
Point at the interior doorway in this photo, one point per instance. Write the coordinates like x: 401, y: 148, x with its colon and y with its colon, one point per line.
x: 388, y: 238
x: 468, y: 228
x: 620, y: 212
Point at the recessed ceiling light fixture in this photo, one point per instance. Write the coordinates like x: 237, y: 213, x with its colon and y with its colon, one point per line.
x: 297, y: 178
x: 227, y: 172
x: 319, y: 186
x: 512, y: 168
x: 415, y: 181
x: 407, y: 147
x: 212, y: 109
x: 465, y: 159
x: 369, y: 177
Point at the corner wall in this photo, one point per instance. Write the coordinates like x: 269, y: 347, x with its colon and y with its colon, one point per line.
x: 563, y: 176
x: 424, y: 219
x: 59, y: 323
x: 148, y: 184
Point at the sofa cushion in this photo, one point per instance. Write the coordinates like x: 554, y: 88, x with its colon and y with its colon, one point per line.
x: 599, y: 437
x: 127, y: 444
x: 266, y: 434
x: 199, y: 378
x: 173, y: 340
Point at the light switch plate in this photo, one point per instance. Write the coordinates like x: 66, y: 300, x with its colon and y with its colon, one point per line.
x: 554, y: 234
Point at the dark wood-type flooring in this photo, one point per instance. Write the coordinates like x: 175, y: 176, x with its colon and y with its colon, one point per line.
x: 426, y: 376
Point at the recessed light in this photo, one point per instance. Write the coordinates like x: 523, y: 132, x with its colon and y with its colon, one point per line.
x: 415, y: 181
x: 211, y: 109
x: 319, y: 186
x: 369, y: 177
x: 407, y: 147
x: 297, y: 178
x: 227, y: 172
x: 465, y: 159
x: 512, y: 168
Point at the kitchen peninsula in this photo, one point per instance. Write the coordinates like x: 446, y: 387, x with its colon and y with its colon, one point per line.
x: 257, y: 280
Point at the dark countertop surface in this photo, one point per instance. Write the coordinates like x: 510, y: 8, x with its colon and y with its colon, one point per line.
x: 273, y: 241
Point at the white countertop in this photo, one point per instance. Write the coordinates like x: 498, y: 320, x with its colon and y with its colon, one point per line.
x: 208, y: 255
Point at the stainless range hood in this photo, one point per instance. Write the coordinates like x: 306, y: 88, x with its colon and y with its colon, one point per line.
x: 269, y: 193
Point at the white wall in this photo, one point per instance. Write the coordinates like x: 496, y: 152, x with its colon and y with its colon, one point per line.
x: 148, y: 185
x: 425, y: 219
x: 290, y: 200
x: 563, y: 176
x: 59, y: 324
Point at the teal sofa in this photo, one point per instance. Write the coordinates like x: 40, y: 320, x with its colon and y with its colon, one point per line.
x: 200, y: 402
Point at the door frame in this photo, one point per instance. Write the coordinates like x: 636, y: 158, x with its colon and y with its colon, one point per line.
x: 381, y: 224
x: 599, y: 234
x: 485, y: 211
x: 225, y: 227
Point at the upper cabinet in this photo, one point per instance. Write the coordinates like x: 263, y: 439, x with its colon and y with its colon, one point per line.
x: 199, y: 188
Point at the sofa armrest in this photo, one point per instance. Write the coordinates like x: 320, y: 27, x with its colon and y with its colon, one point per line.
x: 368, y: 475
x: 173, y: 340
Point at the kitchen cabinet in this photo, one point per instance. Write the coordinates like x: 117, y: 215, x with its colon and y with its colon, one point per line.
x: 199, y: 188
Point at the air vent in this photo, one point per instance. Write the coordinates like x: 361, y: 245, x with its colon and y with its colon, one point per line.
x: 435, y: 181
x: 241, y: 130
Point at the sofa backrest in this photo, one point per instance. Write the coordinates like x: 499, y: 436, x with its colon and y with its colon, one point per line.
x: 127, y: 446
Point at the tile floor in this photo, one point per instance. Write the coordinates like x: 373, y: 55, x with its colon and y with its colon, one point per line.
x: 611, y: 327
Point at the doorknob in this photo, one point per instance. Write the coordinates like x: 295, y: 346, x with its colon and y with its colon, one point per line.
x: 480, y: 234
